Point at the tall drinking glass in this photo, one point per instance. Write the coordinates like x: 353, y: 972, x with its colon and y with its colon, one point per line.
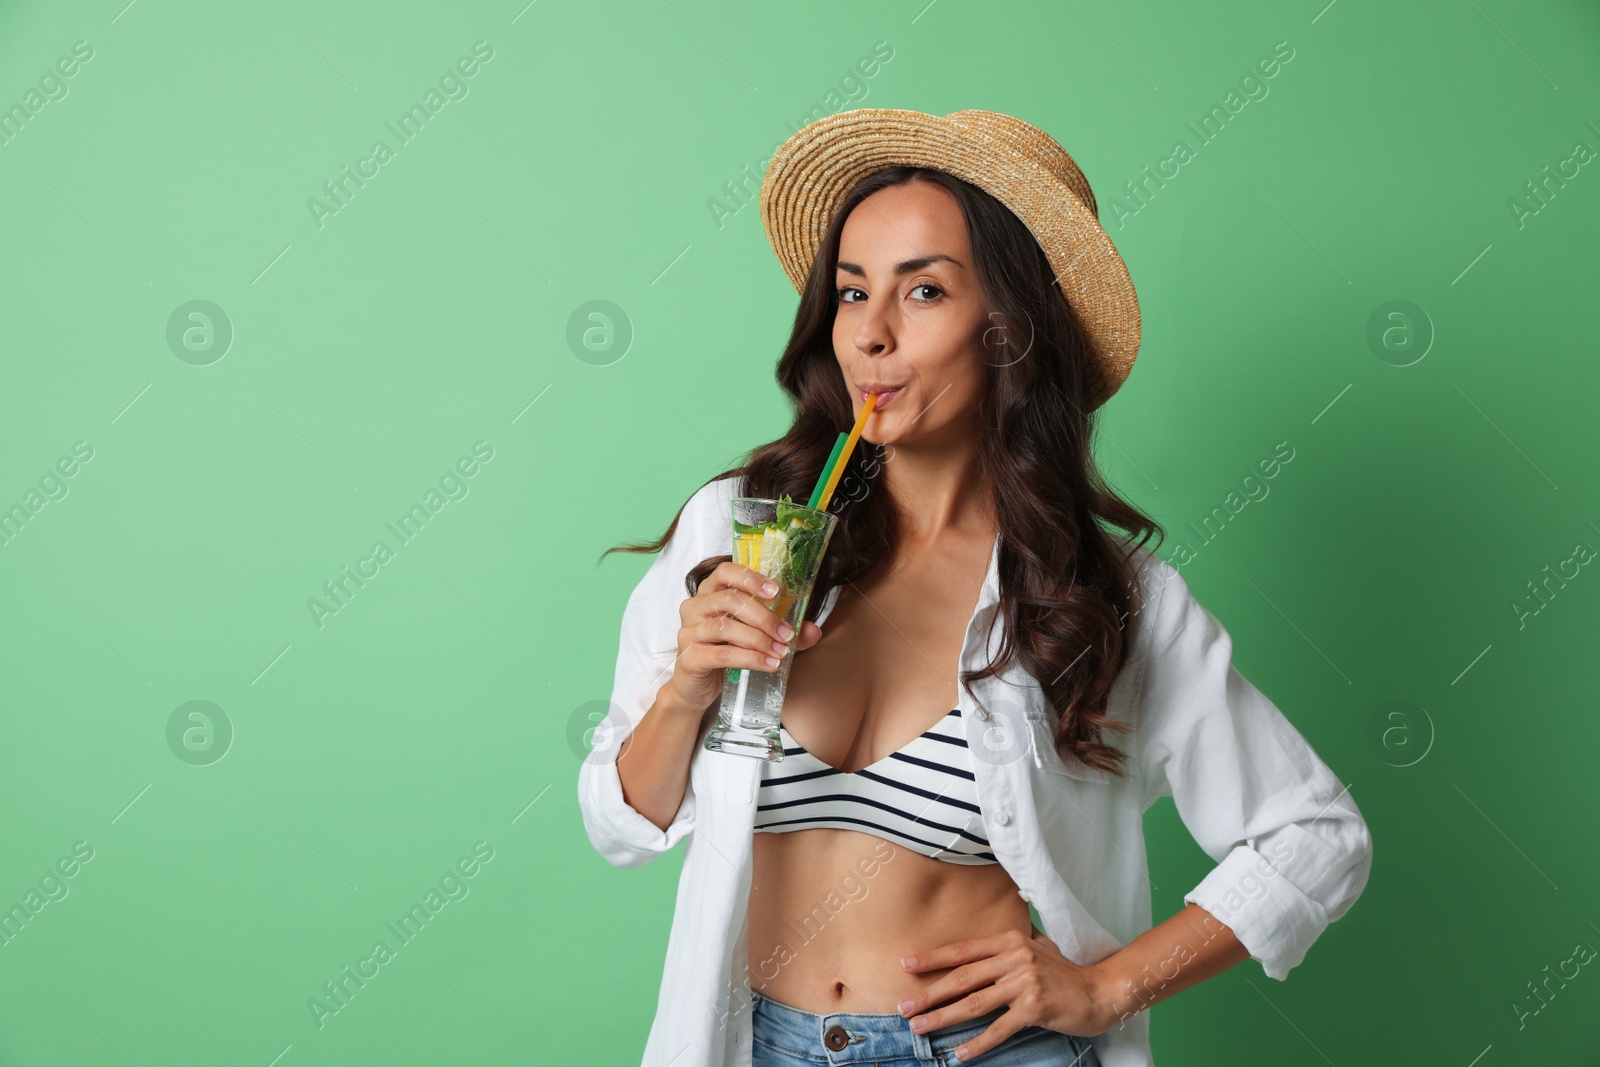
x: 784, y: 542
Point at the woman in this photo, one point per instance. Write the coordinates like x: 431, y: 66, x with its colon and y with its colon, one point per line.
x: 867, y: 898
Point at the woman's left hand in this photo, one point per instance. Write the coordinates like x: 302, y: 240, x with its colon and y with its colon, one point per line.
x: 1027, y: 972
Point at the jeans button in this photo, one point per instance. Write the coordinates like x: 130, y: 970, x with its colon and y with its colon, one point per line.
x: 836, y: 1038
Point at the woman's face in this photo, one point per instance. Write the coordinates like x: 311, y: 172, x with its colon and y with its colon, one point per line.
x: 910, y: 314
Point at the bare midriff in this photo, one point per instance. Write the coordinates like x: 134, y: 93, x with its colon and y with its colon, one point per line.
x: 833, y: 911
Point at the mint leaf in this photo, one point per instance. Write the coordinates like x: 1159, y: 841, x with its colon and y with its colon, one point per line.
x: 790, y: 513
x: 805, y: 549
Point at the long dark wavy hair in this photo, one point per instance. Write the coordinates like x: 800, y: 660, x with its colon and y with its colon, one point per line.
x: 1066, y: 589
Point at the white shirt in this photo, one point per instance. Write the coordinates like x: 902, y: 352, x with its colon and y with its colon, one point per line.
x: 1292, y: 849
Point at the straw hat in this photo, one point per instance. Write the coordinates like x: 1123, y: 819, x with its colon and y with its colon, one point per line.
x: 1016, y: 163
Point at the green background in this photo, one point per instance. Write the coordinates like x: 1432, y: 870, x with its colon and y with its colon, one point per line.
x: 444, y: 704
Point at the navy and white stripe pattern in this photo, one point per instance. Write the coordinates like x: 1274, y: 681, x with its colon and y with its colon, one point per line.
x: 923, y: 797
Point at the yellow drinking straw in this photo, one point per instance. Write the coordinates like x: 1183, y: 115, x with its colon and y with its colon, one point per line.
x: 844, y: 453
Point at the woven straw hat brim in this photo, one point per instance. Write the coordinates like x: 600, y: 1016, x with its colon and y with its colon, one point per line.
x: 1015, y: 162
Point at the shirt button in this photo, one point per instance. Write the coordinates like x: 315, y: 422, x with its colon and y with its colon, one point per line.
x: 1001, y: 818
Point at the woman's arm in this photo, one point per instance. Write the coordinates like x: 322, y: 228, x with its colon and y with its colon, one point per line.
x: 1166, y: 959
x: 654, y: 771
x: 635, y: 787
x: 646, y: 651
x: 1029, y: 974
x: 1292, y: 849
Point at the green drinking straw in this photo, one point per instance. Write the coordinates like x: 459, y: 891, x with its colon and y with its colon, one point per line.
x: 827, y: 469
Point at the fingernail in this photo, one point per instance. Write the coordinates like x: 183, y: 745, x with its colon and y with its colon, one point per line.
x: 772, y: 661
x: 905, y: 1006
x: 785, y: 631
x: 961, y: 1054
x: 908, y: 961
x: 779, y: 647
x: 769, y: 588
x: 919, y: 1024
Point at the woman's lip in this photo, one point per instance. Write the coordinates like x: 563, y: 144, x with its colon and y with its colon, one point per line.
x: 883, y: 398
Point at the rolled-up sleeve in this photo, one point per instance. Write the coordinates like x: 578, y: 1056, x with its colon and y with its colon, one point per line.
x: 1292, y: 849
x: 645, y: 654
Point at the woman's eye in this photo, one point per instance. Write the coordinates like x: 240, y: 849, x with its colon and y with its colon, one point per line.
x: 839, y: 293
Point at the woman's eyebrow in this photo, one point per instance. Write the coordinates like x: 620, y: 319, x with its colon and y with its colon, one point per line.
x: 905, y: 266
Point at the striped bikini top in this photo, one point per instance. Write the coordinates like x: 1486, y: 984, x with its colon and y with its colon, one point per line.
x: 923, y: 797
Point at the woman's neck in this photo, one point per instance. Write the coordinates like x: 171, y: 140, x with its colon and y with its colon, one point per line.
x: 938, y: 492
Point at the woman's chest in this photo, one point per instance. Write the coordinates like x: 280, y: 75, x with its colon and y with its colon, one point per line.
x: 888, y: 665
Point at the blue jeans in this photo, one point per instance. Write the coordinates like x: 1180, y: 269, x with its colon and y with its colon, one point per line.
x: 789, y: 1037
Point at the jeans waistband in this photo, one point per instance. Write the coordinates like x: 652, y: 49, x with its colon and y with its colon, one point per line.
x: 872, y: 1036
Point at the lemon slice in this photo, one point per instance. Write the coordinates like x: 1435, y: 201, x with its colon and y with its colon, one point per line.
x: 772, y: 553
x: 749, y: 550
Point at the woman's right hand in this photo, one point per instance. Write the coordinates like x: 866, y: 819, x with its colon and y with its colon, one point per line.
x: 726, y: 625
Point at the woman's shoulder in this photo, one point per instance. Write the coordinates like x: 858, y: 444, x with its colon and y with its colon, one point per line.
x: 1153, y: 573
x: 713, y: 501
x: 706, y: 518
x: 716, y: 494
x: 1161, y: 590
